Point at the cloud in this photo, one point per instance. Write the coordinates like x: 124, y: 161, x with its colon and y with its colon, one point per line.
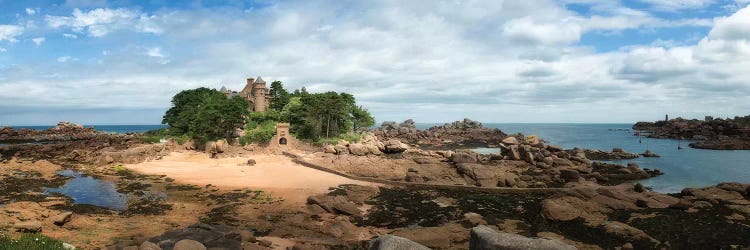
x: 430, y: 60
x: 64, y: 59
x: 38, y: 41
x: 527, y: 31
x: 10, y: 32
x: 155, y: 52
x: 30, y: 11
x: 3, y: 49
x: 101, y: 21
x: 68, y: 35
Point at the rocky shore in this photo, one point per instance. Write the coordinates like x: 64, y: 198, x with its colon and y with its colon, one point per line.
x: 577, y: 202
x: 721, y: 134
x: 460, y: 134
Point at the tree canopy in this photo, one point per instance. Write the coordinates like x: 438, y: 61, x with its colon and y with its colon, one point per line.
x: 205, y: 114
x: 279, y: 96
x: 329, y: 114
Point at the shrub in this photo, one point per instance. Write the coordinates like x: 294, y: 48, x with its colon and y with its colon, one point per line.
x: 181, y: 139
x: 151, y: 139
x: 259, y: 134
x: 30, y: 242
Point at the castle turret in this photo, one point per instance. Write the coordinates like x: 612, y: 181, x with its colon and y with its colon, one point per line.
x: 259, y: 95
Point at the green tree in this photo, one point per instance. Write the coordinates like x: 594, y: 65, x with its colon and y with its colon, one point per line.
x: 361, y: 118
x: 205, y: 114
x: 279, y: 96
x: 329, y: 114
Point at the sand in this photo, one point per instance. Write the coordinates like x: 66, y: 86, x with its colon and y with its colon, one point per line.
x: 274, y: 173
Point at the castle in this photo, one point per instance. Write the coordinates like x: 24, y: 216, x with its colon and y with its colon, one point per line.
x: 255, y: 92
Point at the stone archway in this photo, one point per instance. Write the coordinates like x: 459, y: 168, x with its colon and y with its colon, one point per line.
x: 282, y: 141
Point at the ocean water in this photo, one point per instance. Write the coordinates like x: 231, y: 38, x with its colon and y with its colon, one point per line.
x: 683, y: 168
x: 120, y: 129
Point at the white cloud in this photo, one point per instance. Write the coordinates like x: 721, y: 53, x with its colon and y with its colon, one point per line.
x: 30, y: 11
x: 10, y: 32
x: 433, y: 61
x: 38, y: 41
x: 527, y: 31
x: 64, y: 59
x: 3, y: 49
x: 734, y: 27
x: 101, y: 21
x: 68, y: 35
x: 155, y: 52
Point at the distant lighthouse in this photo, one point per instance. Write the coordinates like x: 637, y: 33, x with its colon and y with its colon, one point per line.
x: 666, y: 117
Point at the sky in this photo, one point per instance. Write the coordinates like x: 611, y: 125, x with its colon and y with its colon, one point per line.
x: 121, y: 61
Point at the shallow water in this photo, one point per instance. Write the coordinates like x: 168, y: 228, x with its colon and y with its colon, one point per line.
x: 85, y: 189
x: 487, y: 150
x: 688, y: 167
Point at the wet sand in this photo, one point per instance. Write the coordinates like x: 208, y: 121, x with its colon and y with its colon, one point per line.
x: 274, y: 173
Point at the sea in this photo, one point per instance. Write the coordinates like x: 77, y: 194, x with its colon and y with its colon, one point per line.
x: 120, y: 129
x: 683, y: 168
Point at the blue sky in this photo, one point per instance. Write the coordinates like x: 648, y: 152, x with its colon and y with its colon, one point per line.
x: 119, y: 62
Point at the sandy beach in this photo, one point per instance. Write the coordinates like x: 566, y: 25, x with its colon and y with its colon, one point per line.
x: 274, y: 173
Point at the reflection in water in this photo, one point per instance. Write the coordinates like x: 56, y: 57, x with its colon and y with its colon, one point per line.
x: 84, y: 189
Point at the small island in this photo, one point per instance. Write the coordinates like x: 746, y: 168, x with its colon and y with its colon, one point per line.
x: 709, y: 133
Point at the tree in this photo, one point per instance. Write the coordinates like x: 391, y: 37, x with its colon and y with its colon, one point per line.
x: 205, y: 114
x: 361, y: 118
x: 329, y: 114
x: 279, y: 96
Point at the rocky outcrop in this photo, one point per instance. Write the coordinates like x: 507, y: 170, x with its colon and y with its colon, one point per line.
x: 64, y: 131
x: 728, y: 134
x: 615, y: 154
x: 391, y: 242
x: 204, y: 236
x: 486, y: 238
x: 457, y: 133
x: 369, y: 144
x: 133, y: 155
x: 31, y: 226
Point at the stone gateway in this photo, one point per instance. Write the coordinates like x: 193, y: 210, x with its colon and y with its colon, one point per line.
x: 283, y: 139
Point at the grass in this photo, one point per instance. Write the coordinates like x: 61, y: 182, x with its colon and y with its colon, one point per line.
x: 155, y: 136
x: 30, y: 242
x: 350, y: 137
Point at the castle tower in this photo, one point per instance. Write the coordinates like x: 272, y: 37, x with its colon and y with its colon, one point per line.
x: 259, y: 95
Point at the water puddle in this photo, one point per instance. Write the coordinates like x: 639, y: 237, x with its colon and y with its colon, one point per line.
x: 85, y: 189
x: 486, y: 151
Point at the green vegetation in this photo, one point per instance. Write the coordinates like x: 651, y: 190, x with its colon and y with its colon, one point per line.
x: 279, y: 96
x: 350, y: 137
x: 154, y: 136
x: 261, y: 133
x: 322, y: 115
x: 205, y: 114
x: 30, y: 242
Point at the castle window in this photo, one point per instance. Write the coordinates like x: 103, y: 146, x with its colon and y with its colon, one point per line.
x: 282, y: 141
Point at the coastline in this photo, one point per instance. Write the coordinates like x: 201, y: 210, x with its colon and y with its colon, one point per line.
x: 343, y: 196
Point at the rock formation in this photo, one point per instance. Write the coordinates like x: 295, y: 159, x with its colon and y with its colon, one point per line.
x: 450, y: 134
x: 710, y: 133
